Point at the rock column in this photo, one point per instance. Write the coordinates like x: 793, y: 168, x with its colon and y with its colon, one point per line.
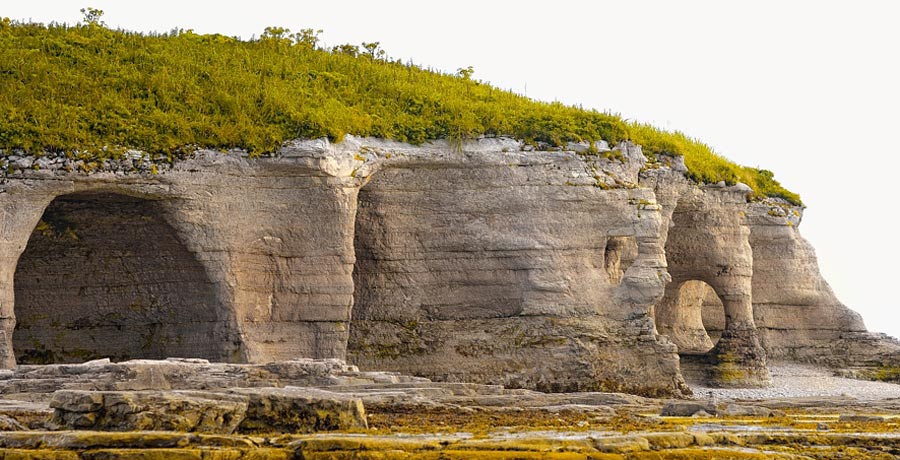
x: 738, y: 360
x: 20, y: 209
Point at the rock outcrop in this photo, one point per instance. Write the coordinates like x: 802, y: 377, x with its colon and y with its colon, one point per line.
x: 244, y: 410
x: 578, y: 270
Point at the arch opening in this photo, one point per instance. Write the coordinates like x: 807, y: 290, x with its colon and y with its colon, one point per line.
x: 104, y: 275
x: 692, y: 316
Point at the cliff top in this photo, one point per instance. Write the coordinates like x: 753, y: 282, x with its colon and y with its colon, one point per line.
x: 93, y: 93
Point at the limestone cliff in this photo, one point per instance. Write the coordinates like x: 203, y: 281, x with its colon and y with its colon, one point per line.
x: 583, y: 269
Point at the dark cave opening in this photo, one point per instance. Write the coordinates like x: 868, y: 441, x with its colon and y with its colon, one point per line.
x: 104, y: 275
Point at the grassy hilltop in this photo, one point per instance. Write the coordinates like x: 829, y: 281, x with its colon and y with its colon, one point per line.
x: 94, y: 92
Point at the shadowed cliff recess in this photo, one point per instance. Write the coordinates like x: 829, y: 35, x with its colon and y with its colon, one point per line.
x: 104, y: 275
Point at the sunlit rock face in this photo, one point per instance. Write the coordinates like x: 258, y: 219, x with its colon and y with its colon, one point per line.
x: 581, y: 269
x: 798, y: 315
x: 510, y: 267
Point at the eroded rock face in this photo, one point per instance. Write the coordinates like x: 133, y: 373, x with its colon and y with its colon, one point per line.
x: 245, y: 410
x: 796, y: 311
x: 508, y: 268
x: 707, y: 242
x: 476, y: 262
x: 258, y: 254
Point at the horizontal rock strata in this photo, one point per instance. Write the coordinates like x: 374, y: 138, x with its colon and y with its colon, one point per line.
x: 577, y: 270
x: 246, y: 410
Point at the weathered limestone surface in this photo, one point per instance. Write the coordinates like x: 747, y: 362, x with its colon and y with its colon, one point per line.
x: 193, y: 374
x: 510, y: 268
x: 797, y: 313
x: 707, y: 244
x: 245, y: 410
x: 257, y: 254
x: 479, y: 262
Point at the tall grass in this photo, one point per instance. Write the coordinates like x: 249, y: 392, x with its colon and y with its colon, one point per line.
x: 98, y: 91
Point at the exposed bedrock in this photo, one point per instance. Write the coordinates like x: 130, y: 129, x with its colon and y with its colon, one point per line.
x: 116, y: 266
x: 480, y: 262
x: 707, y: 246
x: 220, y: 258
x: 797, y: 314
x: 512, y: 268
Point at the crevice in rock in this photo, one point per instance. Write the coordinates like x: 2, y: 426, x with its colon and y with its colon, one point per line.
x: 620, y: 253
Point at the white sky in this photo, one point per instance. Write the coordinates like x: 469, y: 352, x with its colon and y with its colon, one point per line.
x: 808, y: 89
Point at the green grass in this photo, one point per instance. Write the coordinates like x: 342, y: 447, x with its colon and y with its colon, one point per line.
x: 90, y: 91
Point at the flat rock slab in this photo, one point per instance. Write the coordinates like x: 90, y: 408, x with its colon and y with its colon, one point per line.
x: 687, y: 408
x: 299, y: 410
x: 252, y: 410
x: 186, y: 411
x: 187, y: 374
x: 25, y: 413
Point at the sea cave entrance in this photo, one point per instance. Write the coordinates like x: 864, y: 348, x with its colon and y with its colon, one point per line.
x: 104, y: 275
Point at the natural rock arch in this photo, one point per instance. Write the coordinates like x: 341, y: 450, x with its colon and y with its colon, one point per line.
x: 105, y: 275
x: 692, y: 316
x: 708, y: 241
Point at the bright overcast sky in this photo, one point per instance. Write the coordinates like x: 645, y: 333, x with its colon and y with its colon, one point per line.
x: 808, y: 89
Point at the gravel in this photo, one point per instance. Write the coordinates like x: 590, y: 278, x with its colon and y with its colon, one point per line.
x: 798, y: 381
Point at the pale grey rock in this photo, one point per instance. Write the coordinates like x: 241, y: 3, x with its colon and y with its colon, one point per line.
x: 741, y: 410
x: 23, y: 162
x: 687, y: 408
x: 148, y: 411
x: 849, y: 418
x: 43, y: 163
x: 478, y: 261
x: 742, y: 187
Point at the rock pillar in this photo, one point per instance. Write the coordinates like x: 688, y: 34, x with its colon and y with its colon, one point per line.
x: 738, y: 360
x: 20, y: 209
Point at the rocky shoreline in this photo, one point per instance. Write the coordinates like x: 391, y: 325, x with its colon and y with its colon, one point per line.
x: 307, y: 409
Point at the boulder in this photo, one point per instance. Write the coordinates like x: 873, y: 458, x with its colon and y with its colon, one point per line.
x: 737, y: 410
x: 299, y: 410
x: 687, y: 408
x: 186, y: 411
x: 247, y: 410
